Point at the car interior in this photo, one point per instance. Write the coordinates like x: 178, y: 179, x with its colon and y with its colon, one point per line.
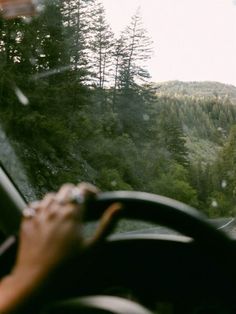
x: 165, y: 273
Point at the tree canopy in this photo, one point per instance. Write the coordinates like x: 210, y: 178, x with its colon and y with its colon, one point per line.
x: 77, y: 104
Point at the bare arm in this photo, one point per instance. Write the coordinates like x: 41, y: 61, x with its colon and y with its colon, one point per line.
x: 47, y: 239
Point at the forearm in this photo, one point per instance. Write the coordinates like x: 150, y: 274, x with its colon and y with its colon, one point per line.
x: 18, y: 289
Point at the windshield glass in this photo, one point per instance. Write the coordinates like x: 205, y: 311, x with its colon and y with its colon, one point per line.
x: 128, y: 95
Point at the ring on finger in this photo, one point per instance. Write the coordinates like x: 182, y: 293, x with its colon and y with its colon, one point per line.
x: 29, y: 212
x: 76, y: 197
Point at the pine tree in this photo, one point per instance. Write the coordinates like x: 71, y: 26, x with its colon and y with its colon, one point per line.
x: 223, y: 176
x: 78, y: 16
x: 131, y: 51
x: 136, y: 51
x: 170, y: 134
x: 118, y: 55
x: 101, y: 48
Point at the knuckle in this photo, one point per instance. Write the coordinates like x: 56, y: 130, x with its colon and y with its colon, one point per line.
x: 49, y: 196
x: 87, y: 188
x: 66, y: 186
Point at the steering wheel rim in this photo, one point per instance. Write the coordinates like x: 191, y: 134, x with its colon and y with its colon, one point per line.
x: 163, y: 211
x: 170, y: 213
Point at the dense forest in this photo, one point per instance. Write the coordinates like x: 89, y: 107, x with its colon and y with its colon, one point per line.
x: 77, y: 104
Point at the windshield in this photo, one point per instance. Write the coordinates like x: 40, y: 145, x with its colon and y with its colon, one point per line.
x: 128, y: 95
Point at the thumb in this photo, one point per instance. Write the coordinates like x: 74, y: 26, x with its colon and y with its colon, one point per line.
x: 106, y: 224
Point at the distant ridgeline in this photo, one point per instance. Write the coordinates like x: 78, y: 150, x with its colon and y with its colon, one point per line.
x: 206, y: 111
x: 202, y: 90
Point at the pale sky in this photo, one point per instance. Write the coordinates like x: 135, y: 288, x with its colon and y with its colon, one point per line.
x: 194, y: 40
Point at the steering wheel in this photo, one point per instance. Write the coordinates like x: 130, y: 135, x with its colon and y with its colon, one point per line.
x: 197, y: 269
x: 163, y: 211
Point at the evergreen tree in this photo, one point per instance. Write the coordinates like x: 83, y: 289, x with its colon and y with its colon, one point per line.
x: 224, y: 177
x: 131, y: 51
x: 135, y: 52
x: 101, y: 48
x: 78, y: 17
x: 118, y: 56
x: 170, y: 135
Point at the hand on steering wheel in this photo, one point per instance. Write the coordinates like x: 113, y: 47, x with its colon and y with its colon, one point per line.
x: 53, y: 233
x: 50, y: 233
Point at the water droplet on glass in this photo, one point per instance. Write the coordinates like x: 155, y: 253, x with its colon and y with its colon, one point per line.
x: 33, y: 61
x: 21, y: 97
x: 40, y: 8
x: 214, y: 204
x: 13, y: 35
x: 224, y: 184
x: 113, y: 183
x: 39, y: 50
x: 26, y: 19
x: 146, y: 117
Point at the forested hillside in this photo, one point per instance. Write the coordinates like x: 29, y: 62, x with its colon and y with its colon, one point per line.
x: 227, y: 93
x: 77, y: 104
x: 208, y: 125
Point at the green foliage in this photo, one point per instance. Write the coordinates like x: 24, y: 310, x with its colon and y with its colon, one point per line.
x: 110, y: 179
x: 220, y: 205
x: 224, y: 176
x: 174, y: 184
x: 91, y: 116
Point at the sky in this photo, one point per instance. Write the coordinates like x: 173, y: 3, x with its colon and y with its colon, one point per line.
x: 194, y: 40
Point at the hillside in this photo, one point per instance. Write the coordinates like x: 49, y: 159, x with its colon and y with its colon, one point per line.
x: 206, y: 111
x: 198, y: 90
